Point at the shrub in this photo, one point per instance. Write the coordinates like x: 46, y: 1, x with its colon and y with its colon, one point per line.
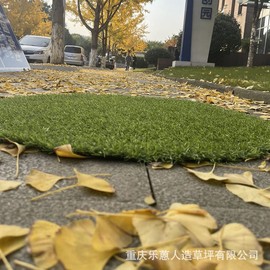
x: 226, y: 37
x: 152, y: 55
x: 141, y: 63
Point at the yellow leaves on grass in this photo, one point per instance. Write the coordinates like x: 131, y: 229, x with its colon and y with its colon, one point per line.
x: 182, y: 237
x: 241, y: 185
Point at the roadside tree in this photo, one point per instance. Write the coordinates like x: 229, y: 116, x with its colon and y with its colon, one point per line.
x: 27, y: 17
x: 58, y: 31
x: 258, y: 6
x: 96, y: 15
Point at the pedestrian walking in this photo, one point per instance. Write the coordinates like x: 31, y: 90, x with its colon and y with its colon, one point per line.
x: 134, y: 61
x: 128, y: 60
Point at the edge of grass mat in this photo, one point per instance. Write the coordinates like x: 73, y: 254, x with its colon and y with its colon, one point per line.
x: 134, y: 128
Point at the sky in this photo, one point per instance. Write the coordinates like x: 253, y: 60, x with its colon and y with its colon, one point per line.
x: 165, y: 18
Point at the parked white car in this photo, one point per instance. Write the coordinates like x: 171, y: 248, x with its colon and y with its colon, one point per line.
x: 74, y: 55
x: 36, y: 48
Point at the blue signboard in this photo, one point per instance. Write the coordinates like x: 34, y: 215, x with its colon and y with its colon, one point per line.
x: 12, y: 57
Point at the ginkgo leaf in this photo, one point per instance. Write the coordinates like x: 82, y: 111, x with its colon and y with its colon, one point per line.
x: 197, y: 165
x: 195, y: 220
x: 236, y: 264
x: 41, y: 243
x: 207, y: 175
x: 172, y: 263
x: 73, y: 246
x: 245, y: 178
x: 42, y: 181
x: 238, y: 238
x: 92, y: 182
x: 124, y: 219
x: 249, y: 194
x: 12, y: 238
x: 161, y: 166
x: 108, y: 236
x: 153, y: 231
x: 265, y: 193
x: 66, y: 151
x: 127, y: 266
x: 264, y: 240
x: 8, y: 185
x: 264, y: 166
x: 12, y: 148
x: 150, y: 200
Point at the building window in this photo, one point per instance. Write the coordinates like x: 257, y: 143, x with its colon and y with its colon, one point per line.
x: 240, y: 9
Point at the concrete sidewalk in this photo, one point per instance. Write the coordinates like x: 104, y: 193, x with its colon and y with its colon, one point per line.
x: 132, y: 185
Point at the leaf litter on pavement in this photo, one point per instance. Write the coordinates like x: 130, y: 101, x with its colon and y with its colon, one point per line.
x: 185, y: 236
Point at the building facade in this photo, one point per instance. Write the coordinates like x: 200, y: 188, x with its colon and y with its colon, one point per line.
x: 242, y: 11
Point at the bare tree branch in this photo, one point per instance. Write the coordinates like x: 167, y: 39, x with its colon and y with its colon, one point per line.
x: 81, y: 17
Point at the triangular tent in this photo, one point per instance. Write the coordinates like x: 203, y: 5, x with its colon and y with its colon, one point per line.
x: 12, y: 57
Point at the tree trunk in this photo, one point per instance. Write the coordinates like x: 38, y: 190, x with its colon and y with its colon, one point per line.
x: 58, y: 31
x: 93, y: 53
x: 252, y: 46
x: 258, y: 5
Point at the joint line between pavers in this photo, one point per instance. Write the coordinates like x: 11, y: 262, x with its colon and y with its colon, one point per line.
x: 150, y: 182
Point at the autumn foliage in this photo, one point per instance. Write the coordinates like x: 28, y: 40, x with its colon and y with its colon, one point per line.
x: 27, y: 17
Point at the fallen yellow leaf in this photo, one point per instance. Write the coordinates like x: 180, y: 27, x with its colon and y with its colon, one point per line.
x: 207, y: 175
x: 66, y: 151
x: 92, y: 182
x: 42, y: 181
x: 249, y: 194
x: 73, y: 246
x: 14, y: 149
x: 8, y: 185
x: 127, y: 266
x: 161, y: 165
x: 195, y: 220
x: 237, y: 237
x: 108, y: 236
x: 41, y: 243
x: 12, y: 238
x: 149, y: 200
x: 236, y: 264
x: 245, y: 178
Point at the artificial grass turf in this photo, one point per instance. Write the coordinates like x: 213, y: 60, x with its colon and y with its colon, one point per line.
x: 137, y: 128
x: 256, y: 78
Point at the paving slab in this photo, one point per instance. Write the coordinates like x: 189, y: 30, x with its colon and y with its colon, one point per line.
x: 178, y: 185
x: 129, y: 179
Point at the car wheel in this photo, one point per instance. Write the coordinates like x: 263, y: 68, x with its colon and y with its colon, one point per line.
x: 49, y: 60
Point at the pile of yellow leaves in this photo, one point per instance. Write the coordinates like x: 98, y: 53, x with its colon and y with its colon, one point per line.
x: 182, y: 237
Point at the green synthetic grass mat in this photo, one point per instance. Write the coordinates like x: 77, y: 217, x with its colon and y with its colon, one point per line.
x: 137, y: 128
